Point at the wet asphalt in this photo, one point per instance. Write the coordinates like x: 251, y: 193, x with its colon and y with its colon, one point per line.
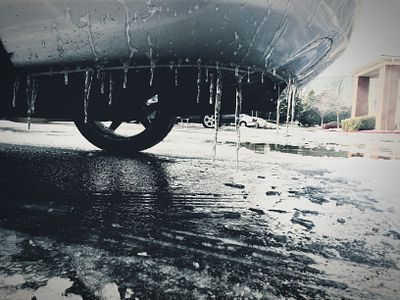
x: 161, y: 227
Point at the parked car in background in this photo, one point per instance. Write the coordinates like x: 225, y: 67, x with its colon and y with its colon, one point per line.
x: 331, y: 125
x: 249, y: 121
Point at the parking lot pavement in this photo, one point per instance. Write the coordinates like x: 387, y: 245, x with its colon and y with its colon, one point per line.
x: 307, y: 214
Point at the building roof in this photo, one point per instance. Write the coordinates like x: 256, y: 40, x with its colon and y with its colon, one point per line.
x: 372, y: 69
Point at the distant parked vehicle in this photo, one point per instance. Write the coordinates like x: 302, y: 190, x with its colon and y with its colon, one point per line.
x: 331, y: 125
x: 249, y: 121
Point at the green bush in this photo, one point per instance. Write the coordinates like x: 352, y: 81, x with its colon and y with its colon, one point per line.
x: 358, y: 123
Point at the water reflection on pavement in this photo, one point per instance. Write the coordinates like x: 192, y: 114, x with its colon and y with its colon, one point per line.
x: 155, y: 226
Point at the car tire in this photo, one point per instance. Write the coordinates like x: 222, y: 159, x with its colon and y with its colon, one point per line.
x: 208, y: 121
x: 243, y: 123
x: 106, y: 138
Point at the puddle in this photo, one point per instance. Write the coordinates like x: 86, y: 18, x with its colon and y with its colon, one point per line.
x: 263, y: 148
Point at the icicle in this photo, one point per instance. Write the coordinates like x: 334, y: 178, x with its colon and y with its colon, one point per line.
x: 176, y: 76
x: 217, y: 110
x: 65, y: 78
x: 262, y: 77
x: 110, y: 91
x: 102, y: 81
x: 125, y: 82
x: 248, y: 74
x: 211, y: 88
x: 152, y: 67
x: 293, y: 104
x: 33, y: 95
x: 88, y: 85
x: 198, y: 80
x: 236, y: 71
x: 278, y: 109
x: 207, y: 73
x: 28, y: 99
x: 15, y: 92
x: 289, y: 101
x: 238, y: 110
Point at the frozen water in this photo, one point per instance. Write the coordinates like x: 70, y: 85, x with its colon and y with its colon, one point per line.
x: 28, y: 99
x: 217, y: 111
x: 211, y: 88
x: 238, y: 110
x: 102, y: 81
x: 176, y: 76
x: 125, y: 82
x: 90, y: 37
x: 60, y: 48
x: 289, y: 101
x: 110, y: 89
x: 198, y: 80
x: 66, y: 78
x: 294, y: 93
x: 88, y: 85
x: 131, y: 48
x: 15, y: 91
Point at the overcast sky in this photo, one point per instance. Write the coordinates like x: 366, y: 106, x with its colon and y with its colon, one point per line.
x: 377, y: 32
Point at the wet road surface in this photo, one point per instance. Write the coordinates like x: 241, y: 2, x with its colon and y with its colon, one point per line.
x: 83, y: 223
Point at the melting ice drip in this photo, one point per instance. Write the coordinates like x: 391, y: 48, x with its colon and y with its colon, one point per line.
x: 31, y: 96
x: 198, y: 80
x: 15, y: 91
x: 217, y: 111
x: 110, y: 89
x: 238, y: 109
x: 88, y: 85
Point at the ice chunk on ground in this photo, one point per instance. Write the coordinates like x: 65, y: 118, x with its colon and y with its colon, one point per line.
x: 110, y: 292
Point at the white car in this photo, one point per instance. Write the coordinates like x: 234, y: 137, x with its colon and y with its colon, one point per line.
x: 249, y: 121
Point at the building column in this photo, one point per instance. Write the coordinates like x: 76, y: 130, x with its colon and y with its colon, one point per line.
x: 360, y: 100
x: 386, y: 115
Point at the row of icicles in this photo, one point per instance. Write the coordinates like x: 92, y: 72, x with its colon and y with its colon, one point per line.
x: 215, y: 84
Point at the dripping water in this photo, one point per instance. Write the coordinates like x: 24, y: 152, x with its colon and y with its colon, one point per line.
x: 90, y: 37
x: 236, y: 71
x: 125, y: 82
x: 28, y: 92
x: 152, y: 62
x: 289, y: 101
x: 110, y: 89
x: 132, y: 49
x: 248, y: 74
x: 198, y: 80
x: 262, y: 77
x: 60, y: 48
x: 152, y: 68
x: 65, y: 78
x: 278, y: 108
x: 238, y: 110
x: 217, y: 111
x: 176, y: 76
x: 102, y: 80
x: 15, y: 92
x: 211, y: 88
x: 207, y: 73
x: 88, y: 85
x: 293, y: 104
